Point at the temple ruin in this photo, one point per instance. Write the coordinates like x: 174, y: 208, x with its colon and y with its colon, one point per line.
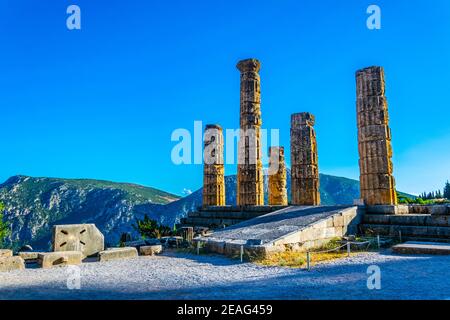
x: 277, y: 177
x: 304, y: 162
x: 250, y: 183
x: 213, y: 169
x: 377, y: 183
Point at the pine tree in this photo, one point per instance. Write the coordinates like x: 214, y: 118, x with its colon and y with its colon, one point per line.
x: 4, y: 227
x: 447, y: 190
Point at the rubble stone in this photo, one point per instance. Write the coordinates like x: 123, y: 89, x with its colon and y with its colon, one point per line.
x: 61, y: 258
x: 150, y: 250
x: 10, y: 263
x: 117, y: 253
x: 5, y: 253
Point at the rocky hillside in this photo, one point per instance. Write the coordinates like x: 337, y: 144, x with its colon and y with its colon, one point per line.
x: 34, y: 205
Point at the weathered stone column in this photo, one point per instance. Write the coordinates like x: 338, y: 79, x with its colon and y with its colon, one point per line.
x: 213, y: 168
x: 374, y: 139
x: 304, y: 161
x: 250, y: 184
x: 277, y: 177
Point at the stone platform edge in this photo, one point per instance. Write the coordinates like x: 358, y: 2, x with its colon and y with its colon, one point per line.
x: 305, y: 238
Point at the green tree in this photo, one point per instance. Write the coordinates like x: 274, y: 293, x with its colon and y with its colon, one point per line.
x: 447, y: 190
x: 4, y: 226
x: 149, y: 228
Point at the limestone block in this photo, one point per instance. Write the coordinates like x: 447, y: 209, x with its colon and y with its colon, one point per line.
x: 233, y: 248
x: 331, y: 233
x: 117, y: 253
x: 338, y: 221
x: 5, y: 253
x: 136, y: 243
x: 412, y: 247
x: 150, y: 250
x: 376, y: 218
x: 417, y: 220
x: 29, y: 256
x: 62, y: 258
x: 388, y: 209
x: 85, y: 238
x: 438, y: 220
x: 216, y: 246
x: 9, y: 263
x: 439, y: 210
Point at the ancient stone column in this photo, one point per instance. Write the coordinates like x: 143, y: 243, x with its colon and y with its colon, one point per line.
x: 304, y: 161
x: 250, y: 184
x: 213, y: 168
x: 277, y: 177
x: 377, y: 183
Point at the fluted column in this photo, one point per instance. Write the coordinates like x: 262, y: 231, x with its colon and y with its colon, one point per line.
x: 304, y: 161
x: 250, y: 184
x: 377, y: 182
x: 277, y: 177
x: 213, y: 168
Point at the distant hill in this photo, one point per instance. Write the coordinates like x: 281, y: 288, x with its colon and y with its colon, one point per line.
x: 34, y: 205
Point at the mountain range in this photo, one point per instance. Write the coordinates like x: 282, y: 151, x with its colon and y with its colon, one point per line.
x: 34, y: 205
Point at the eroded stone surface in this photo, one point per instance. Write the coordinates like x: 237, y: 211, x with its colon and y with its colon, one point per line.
x: 150, y: 250
x: 62, y: 258
x: 250, y: 184
x: 117, y: 253
x: 85, y: 238
x: 9, y: 263
x: 277, y: 177
x: 5, y: 253
x: 414, y: 247
x: 213, y: 169
x: 29, y: 256
x: 377, y: 183
x: 304, y: 160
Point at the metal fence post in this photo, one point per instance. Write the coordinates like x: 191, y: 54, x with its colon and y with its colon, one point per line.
x: 378, y: 241
x: 242, y: 253
x: 198, y: 247
x: 348, y: 249
x: 400, y: 235
x: 308, y: 261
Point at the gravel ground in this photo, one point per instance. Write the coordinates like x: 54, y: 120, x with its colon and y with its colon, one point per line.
x: 185, y: 276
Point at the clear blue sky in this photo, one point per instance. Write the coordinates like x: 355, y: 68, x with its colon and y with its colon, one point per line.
x: 102, y: 102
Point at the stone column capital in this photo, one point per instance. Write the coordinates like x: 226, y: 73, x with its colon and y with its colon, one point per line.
x: 249, y: 65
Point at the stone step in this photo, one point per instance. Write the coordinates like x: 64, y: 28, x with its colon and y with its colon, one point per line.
x: 407, y: 230
x: 243, y: 208
x: 408, y: 220
x: 240, y: 215
x: 207, y: 222
x: 413, y: 247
